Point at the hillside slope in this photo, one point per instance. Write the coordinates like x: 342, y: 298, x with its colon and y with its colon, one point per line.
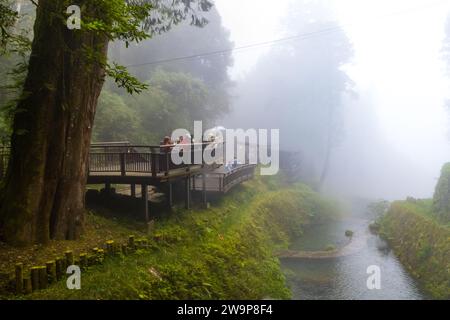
x: 421, y: 243
x: 225, y: 252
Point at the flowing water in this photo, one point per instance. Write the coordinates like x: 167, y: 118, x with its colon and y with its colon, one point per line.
x: 346, y: 277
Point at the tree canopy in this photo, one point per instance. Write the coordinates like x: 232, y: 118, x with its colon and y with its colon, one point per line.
x: 178, y: 93
x: 173, y: 100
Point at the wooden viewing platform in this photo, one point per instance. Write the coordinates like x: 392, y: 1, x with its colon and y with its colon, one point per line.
x: 123, y: 163
x: 127, y: 164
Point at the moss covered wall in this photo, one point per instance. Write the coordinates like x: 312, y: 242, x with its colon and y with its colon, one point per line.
x: 421, y: 243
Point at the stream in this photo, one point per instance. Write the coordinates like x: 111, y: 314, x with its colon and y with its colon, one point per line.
x: 346, y: 277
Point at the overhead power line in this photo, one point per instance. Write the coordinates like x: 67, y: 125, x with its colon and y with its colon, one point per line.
x: 301, y: 36
x: 249, y: 46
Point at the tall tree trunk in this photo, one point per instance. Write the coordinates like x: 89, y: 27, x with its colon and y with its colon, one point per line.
x: 44, y: 188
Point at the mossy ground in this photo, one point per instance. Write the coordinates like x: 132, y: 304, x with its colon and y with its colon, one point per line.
x: 98, y: 229
x: 225, y: 252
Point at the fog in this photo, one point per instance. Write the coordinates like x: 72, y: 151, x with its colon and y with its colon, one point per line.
x: 372, y: 91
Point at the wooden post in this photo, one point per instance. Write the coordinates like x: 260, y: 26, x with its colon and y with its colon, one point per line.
x: 133, y: 190
x: 27, y: 288
x: 122, y: 165
x: 83, y: 260
x: 51, y: 271
x: 124, y: 249
x: 43, y: 278
x: 167, y: 156
x: 145, y: 199
x: 154, y: 159
x: 101, y: 255
x: 188, y: 192
x: 19, y: 278
x: 93, y: 259
x: 131, y: 243
x: 110, y: 247
x: 59, y: 268
x: 34, y: 273
x: 69, y: 258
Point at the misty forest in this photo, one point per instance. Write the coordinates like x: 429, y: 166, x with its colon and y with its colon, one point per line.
x: 99, y: 98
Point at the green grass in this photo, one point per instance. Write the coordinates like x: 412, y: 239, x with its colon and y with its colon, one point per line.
x: 225, y: 252
x: 421, y: 242
x: 441, y: 198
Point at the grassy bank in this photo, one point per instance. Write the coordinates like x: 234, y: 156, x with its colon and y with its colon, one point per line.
x: 421, y: 242
x: 97, y: 230
x: 225, y: 252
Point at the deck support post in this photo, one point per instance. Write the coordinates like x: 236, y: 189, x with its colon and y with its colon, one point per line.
x: 108, y: 189
x: 145, y: 199
x: 188, y: 192
x: 133, y: 190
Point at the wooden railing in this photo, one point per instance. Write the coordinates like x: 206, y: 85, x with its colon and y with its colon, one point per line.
x: 238, y: 175
x: 224, y: 181
x: 123, y: 158
x: 154, y: 160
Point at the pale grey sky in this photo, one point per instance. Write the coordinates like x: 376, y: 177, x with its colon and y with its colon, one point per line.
x: 397, y: 62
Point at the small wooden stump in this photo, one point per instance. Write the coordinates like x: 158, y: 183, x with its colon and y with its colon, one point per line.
x: 27, y: 287
x: 19, y: 278
x: 101, y: 255
x: 43, y: 278
x: 51, y: 271
x: 91, y: 259
x: 110, y: 247
x: 59, y: 268
x: 34, y: 273
x: 69, y: 258
x: 116, y: 248
x: 124, y: 249
x: 83, y: 260
x: 131, y: 243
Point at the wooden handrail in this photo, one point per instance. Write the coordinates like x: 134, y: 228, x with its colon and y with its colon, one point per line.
x: 128, y: 159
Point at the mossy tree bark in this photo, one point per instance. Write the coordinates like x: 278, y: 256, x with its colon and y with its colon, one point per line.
x: 44, y: 187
